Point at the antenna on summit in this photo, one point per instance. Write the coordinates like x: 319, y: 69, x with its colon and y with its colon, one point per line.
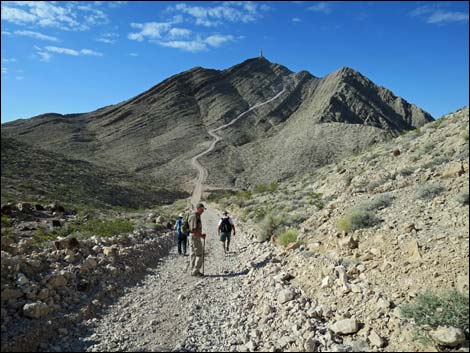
x: 261, y: 53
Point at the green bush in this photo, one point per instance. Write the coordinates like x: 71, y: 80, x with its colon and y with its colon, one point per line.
x: 6, y: 221
x: 106, y: 228
x: 448, y: 308
x: 462, y: 198
x: 428, y: 192
x: 356, y: 219
x: 288, y: 237
x: 266, y: 187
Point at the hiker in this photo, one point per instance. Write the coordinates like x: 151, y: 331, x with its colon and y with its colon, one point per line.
x: 181, y: 236
x: 225, y: 229
x: 197, y: 250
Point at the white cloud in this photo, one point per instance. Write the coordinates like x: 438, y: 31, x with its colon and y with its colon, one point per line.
x: 108, y: 38
x: 65, y: 15
x: 149, y: 30
x: 6, y: 60
x: 4, y: 70
x: 323, y: 7
x: 217, y: 40
x: 198, y: 44
x: 133, y: 54
x: 44, y: 56
x: 6, y: 33
x: 45, y: 53
x: 62, y: 50
x: 447, y: 17
x: 19, y: 78
x: 296, y: 20
x: 116, y: 4
x: 192, y: 46
x: 37, y: 35
x: 90, y: 52
x: 231, y: 11
x: 434, y: 14
x: 179, y: 33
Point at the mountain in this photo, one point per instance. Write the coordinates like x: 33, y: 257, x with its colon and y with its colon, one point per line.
x: 315, y: 121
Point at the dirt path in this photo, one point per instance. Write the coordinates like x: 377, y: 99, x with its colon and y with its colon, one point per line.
x: 171, y: 310
x: 202, y: 172
x: 159, y: 313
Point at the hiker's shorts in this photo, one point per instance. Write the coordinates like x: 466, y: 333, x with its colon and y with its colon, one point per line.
x: 225, y: 236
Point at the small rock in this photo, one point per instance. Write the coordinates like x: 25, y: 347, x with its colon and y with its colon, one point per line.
x: 285, y: 296
x: 35, y: 310
x: 345, y: 327
x: 448, y: 336
x: 375, y: 340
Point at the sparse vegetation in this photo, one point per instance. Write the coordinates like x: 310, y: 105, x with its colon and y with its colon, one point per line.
x: 464, y: 135
x: 462, y: 198
x: 6, y: 221
x: 288, y: 237
x: 266, y: 187
x: 357, y: 218
x: 378, y: 202
x: 429, y: 191
x: 448, y: 308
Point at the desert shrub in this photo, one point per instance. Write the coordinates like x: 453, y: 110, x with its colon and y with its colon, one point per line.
x: 288, y: 237
x: 357, y: 218
x: 429, y: 191
x: 436, y: 161
x: 462, y: 198
x: 406, y: 171
x: 6, y: 221
x: 464, y: 135
x: 266, y: 187
x: 378, y: 202
x: 315, y: 199
x: 105, y: 228
x: 244, y: 195
x: 347, y: 179
x: 448, y: 308
x: 269, y: 226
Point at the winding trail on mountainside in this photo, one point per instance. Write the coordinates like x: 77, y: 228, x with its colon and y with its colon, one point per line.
x: 202, y: 172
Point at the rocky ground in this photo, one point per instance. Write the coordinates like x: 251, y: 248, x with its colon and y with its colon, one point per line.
x: 332, y: 291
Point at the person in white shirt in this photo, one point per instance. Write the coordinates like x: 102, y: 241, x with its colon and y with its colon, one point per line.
x: 225, y: 229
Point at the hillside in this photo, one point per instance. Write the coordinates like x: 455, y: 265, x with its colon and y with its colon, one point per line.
x: 157, y: 132
x: 375, y: 231
x: 30, y: 173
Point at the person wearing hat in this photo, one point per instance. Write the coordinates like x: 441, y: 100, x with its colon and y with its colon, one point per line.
x: 197, y: 249
x: 225, y: 229
x: 181, y: 236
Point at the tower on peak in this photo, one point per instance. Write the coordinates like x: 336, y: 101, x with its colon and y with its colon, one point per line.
x: 261, y: 53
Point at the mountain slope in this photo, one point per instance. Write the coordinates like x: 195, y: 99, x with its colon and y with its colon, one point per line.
x: 33, y: 174
x: 157, y: 132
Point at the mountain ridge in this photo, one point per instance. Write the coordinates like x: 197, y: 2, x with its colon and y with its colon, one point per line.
x: 159, y: 130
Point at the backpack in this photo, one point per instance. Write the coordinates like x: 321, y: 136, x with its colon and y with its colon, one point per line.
x: 185, y: 226
x: 225, y: 226
x: 179, y: 226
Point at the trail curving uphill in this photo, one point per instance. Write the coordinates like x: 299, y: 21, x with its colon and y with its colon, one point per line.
x: 202, y: 172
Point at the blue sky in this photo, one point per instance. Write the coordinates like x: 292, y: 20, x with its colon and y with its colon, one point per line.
x: 74, y: 57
